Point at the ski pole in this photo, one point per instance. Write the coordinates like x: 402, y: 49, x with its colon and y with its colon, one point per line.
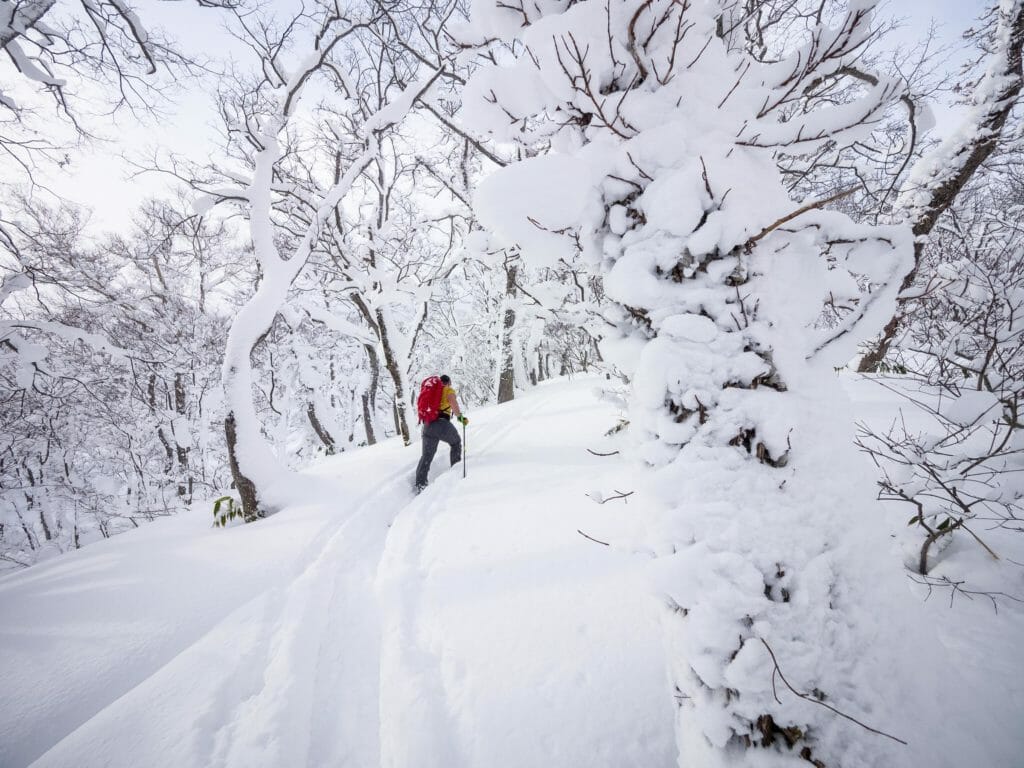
x: 465, y: 453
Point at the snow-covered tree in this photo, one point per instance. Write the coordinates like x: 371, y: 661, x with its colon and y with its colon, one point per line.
x: 290, y: 206
x: 940, y: 175
x: 81, y: 63
x: 108, y: 368
x: 730, y: 304
x: 952, y: 461
x: 953, y: 350
x: 100, y: 426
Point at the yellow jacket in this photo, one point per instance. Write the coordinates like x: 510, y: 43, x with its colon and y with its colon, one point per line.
x: 446, y: 403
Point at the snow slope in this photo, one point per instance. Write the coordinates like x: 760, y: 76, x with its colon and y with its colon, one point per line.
x: 469, y: 626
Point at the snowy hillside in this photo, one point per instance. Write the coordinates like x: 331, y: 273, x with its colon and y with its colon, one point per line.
x: 647, y: 244
x: 469, y: 626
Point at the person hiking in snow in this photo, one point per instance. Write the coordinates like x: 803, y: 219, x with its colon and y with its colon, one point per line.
x: 436, y: 405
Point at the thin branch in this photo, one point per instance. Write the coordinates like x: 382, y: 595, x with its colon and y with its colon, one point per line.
x: 801, y: 210
x: 778, y: 671
x: 619, y: 495
x: 596, y: 541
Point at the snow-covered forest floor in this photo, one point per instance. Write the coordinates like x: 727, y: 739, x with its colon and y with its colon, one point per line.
x: 469, y: 626
x: 649, y: 246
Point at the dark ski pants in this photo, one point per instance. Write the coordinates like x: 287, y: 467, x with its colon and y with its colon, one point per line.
x: 439, y: 430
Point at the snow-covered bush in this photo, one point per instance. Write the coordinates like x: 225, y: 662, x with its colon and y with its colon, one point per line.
x: 954, y: 457
x: 663, y: 128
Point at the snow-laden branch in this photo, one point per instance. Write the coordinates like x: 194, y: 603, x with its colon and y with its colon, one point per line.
x: 16, y: 18
x: 339, y: 324
x: 12, y: 283
x: 97, y: 341
x: 940, y: 175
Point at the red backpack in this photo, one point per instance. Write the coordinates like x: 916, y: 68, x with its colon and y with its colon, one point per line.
x: 429, y: 401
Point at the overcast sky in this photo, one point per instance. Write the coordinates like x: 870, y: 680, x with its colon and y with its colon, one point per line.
x: 99, y: 178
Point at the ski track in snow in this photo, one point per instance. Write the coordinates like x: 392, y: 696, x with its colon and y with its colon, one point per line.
x: 411, y: 688
x: 413, y: 684
x: 256, y: 706
x: 324, y: 621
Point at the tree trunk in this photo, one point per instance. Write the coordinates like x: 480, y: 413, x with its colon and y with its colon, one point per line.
x: 506, y: 380
x: 168, y: 451
x: 246, y: 488
x: 394, y: 368
x: 371, y: 438
x: 26, y: 530
x: 244, y: 429
x: 370, y: 396
x: 30, y: 499
x: 46, y: 526
x: 181, y: 451
x: 959, y: 162
x: 253, y: 463
x: 318, y: 427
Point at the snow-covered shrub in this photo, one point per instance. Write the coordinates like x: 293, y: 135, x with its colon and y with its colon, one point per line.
x: 950, y: 460
x: 954, y: 458
x: 663, y: 127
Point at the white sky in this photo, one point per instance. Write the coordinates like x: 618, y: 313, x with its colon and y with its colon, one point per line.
x: 99, y: 178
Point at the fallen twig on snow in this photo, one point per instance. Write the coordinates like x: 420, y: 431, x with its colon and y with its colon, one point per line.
x: 596, y: 541
x: 619, y: 495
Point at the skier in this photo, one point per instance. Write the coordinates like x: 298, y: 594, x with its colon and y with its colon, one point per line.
x: 439, y: 427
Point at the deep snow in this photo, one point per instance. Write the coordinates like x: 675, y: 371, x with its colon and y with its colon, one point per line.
x: 469, y: 626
